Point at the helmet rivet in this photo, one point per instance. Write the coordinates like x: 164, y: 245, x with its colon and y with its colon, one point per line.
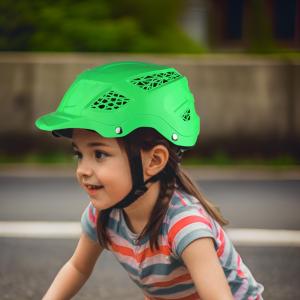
x: 174, y: 137
x: 119, y: 130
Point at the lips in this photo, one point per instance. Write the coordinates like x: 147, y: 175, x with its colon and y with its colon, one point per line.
x: 93, y: 186
x: 92, y: 189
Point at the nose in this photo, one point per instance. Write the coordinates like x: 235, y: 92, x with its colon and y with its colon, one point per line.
x: 84, y: 169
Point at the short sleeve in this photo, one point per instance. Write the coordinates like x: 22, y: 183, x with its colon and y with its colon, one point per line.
x: 89, y: 222
x: 187, y: 225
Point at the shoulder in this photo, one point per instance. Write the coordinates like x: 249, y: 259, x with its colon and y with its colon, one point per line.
x: 90, y: 215
x: 183, y: 206
x: 89, y: 221
x: 186, y: 220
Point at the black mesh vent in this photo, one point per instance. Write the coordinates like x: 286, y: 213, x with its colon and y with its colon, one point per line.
x: 187, y: 115
x: 110, y: 101
x: 150, y: 82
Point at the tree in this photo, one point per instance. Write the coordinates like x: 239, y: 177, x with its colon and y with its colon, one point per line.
x: 94, y: 25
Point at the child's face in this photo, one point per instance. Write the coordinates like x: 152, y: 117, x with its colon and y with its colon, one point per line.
x: 102, y: 163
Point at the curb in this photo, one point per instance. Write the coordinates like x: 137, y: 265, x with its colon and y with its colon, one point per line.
x: 243, y: 173
x: 197, y: 173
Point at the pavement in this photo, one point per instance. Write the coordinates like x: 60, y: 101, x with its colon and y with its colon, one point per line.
x: 250, y: 197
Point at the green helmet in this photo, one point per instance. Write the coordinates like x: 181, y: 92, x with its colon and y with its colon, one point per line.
x: 115, y: 99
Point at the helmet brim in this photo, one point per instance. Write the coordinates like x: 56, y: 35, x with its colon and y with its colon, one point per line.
x: 62, y: 124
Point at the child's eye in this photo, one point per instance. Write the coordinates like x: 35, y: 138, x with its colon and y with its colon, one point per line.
x: 100, y: 154
x: 77, y: 155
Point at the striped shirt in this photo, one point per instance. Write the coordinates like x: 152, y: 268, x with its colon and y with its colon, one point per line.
x: 161, y: 274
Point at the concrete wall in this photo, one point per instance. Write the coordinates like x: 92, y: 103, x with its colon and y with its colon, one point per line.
x: 237, y: 97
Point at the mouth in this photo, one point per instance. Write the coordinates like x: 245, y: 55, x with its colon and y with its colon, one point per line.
x: 92, y: 189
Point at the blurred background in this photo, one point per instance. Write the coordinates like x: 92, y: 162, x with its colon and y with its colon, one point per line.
x: 242, y: 60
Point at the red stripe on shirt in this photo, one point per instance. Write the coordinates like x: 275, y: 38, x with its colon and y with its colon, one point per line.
x: 194, y: 296
x: 164, y: 250
x: 176, y: 280
x: 122, y: 250
x: 222, y: 242
x: 139, y: 257
x: 184, y: 222
x: 92, y: 216
x: 181, y: 199
x: 239, y: 270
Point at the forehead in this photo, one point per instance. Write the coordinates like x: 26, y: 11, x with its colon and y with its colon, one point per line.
x: 84, y: 137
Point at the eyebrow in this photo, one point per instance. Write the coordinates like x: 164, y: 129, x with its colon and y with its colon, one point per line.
x: 92, y: 144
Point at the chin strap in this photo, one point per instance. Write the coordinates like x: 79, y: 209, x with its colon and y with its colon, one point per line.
x: 138, y: 184
x: 138, y: 189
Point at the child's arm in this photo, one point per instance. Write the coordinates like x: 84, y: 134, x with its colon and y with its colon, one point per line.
x: 208, y: 276
x: 76, y: 271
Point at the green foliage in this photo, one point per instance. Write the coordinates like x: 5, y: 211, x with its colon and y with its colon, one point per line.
x: 94, y: 25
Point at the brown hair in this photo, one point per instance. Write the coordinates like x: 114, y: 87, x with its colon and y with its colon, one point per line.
x: 172, y: 177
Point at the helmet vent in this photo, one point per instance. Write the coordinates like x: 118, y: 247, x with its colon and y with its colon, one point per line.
x: 110, y: 101
x: 150, y: 82
x: 187, y: 115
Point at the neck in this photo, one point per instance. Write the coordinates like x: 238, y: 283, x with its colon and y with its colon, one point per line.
x: 139, y: 212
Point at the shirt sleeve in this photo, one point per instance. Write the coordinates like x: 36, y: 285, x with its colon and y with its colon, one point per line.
x: 89, y: 222
x: 187, y: 225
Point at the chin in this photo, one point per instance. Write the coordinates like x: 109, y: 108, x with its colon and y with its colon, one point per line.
x: 99, y: 204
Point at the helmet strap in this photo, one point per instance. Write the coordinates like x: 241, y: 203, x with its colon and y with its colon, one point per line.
x: 138, y: 184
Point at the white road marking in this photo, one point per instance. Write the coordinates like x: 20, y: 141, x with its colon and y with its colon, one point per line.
x: 40, y: 229
x: 67, y: 230
x: 264, y: 237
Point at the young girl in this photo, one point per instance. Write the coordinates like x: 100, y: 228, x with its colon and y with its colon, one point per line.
x: 129, y: 123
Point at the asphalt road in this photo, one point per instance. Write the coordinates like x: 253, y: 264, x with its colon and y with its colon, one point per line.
x: 27, y: 266
x: 245, y: 203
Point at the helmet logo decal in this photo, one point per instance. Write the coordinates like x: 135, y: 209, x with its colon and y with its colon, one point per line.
x: 187, y: 115
x: 150, y: 82
x: 110, y: 101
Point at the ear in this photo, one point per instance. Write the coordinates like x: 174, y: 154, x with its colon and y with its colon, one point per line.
x: 154, y: 160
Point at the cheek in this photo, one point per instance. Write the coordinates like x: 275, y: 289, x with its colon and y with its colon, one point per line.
x: 78, y: 174
x: 120, y: 175
x: 127, y: 175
